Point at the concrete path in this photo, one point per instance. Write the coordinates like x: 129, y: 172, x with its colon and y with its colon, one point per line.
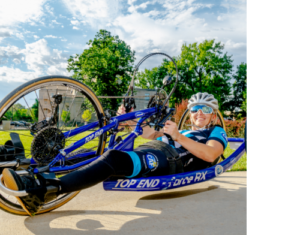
x: 214, y: 207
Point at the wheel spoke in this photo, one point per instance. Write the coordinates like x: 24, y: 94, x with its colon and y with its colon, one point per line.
x: 40, y: 105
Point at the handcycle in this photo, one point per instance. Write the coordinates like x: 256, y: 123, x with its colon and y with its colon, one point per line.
x: 57, y: 142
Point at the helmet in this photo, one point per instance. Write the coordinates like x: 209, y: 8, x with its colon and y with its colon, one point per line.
x: 205, y: 99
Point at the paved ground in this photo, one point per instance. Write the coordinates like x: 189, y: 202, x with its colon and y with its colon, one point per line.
x: 214, y: 207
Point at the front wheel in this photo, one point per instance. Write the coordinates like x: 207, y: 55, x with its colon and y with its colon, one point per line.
x: 52, y: 105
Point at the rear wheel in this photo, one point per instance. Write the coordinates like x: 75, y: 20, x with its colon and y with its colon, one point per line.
x: 52, y: 105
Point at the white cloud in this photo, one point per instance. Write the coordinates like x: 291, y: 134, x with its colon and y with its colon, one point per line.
x: 39, y: 58
x: 75, y: 22
x: 131, y: 1
x: 55, y: 22
x: 20, y: 36
x: 166, y: 29
x: 49, y: 9
x: 230, y: 44
x: 64, y: 40
x: 50, y: 36
x: 59, y: 69
x: 133, y: 8
x: 15, y: 75
x: 14, y: 12
x: 76, y: 28
x: 16, y: 61
x: 145, y: 33
x: 94, y: 12
x: 10, y: 52
x: 36, y: 37
x: 5, y: 33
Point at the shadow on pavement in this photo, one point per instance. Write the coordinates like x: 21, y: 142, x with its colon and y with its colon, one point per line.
x: 177, y: 194
x: 211, y: 210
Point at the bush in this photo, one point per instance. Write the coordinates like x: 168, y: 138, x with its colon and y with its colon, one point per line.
x: 235, y: 128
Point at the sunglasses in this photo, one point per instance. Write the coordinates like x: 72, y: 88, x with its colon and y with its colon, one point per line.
x: 205, y: 109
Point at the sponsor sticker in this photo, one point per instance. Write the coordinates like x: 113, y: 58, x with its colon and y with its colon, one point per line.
x: 218, y: 170
x: 139, y: 114
x: 89, y: 138
x: 151, y: 161
x: 225, y: 136
x: 92, y: 136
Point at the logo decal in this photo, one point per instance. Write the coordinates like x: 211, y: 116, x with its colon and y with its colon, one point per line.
x: 224, y: 136
x: 139, y: 114
x: 218, y: 170
x: 92, y: 136
x: 152, y: 161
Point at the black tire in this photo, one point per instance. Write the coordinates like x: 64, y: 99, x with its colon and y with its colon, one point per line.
x: 47, y: 83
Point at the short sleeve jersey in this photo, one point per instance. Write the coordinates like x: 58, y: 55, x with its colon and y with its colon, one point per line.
x: 191, y: 162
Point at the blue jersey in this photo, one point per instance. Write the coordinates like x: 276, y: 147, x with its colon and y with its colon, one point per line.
x: 190, y: 162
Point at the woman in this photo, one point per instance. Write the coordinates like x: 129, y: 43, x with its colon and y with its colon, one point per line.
x: 178, y: 151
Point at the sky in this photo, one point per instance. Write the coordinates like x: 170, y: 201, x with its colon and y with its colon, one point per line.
x: 38, y: 36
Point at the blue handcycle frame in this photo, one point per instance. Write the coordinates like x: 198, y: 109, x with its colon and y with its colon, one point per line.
x: 124, y: 145
x: 138, y: 184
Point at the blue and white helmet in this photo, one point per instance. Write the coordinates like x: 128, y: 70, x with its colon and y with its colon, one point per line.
x: 204, y: 99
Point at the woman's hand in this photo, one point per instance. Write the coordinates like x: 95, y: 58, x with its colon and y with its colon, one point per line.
x: 121, y: 110
x: 171, y: 129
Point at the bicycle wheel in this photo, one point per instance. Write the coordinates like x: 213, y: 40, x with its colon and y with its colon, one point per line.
x: 185, y: 121
x: 49, y: 106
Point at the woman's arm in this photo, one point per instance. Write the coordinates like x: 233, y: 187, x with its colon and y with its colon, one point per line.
x: 148, y: 133
x: 151, y: 134
x: 207, y: 152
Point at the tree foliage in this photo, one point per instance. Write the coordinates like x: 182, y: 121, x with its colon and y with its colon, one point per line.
x: 202, y: 67
x: 244, y: 104
x: 35, y: 110
x: 239, y: 88
x: 18, y: 113
x: 87, y: 115
x: 103, y: 66
x: 65, y: 116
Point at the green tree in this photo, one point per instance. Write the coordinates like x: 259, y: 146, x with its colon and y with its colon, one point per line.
x: 21, y: 114
x: 202, y: 67
x: 244, y: 104
x: 65, y: 116
x: 35, y: 110
x: 87, y: 115
x: 18, y: 106
x: 239, y: 87
x: 103, y: 66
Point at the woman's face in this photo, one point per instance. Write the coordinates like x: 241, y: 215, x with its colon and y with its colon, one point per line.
x: 199, y: 119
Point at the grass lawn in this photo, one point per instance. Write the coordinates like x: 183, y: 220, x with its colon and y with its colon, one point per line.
x: 26, y: 139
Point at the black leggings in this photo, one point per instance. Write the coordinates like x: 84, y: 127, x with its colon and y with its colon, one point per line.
x: 115, y: 163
